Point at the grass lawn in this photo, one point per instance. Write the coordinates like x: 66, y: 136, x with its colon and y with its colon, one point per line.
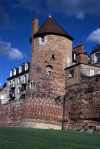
x: 29, y: 138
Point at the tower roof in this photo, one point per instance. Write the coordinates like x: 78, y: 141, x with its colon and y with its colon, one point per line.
x: 51, y: 27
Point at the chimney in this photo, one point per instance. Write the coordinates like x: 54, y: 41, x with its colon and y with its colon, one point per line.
x: 82, y: 58
x: 34, y: 26
x: 24, y: 63
x: 79, y: 48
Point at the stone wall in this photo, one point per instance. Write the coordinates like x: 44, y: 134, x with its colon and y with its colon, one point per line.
x: 82, y: 103
x: 43, y: 111
x: 78, y: 110
x: 11, y: 114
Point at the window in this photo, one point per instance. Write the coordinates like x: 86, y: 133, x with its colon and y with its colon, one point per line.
x: 49, y: 73
x: 53, y: 58
x: 26, y: 66
x: 91, y: 72
x: 71, y: 75
x: 20, y: 69
x: 97, y: 58
x: 68, y: 61
x: 14, y: 72
x: 18, y: 91
x: 25, y: 78
x: 10, y: 73
x: 2, y: 96
x: 42, y: 40
x: 18, y: 80
x: 74, y: 56
x: 5, y: 91
x: 9, y: 83
x: 98, y: 72
x: 32, y: 84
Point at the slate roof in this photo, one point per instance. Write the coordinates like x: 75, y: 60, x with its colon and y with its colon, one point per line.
x: 51, y: 27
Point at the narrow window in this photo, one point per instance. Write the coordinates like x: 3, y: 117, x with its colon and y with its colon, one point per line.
x: 53, y: 58
x: 26, y: 66
x: 68, y: 61
x: 71, y: 75
x: 42, y: 39
x: 10, y: 73
x: 74, y: 56
x: 13, y: 84
x: 20, y: 69
x: 49, y: 73
x: 32, y: 84
x: 18, y: 89
x: 14, y: 72
x: 18, y: 80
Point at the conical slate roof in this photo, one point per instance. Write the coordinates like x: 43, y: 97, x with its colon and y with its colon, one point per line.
x: 51, y: 27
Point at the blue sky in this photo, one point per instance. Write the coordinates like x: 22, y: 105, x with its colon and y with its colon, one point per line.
x: 79, y: 18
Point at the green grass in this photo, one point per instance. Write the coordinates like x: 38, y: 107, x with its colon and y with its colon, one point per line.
x: 29, y: 138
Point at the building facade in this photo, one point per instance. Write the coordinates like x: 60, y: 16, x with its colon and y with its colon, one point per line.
x: 17, y: 82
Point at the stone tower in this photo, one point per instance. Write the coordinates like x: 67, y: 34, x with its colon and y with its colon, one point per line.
x: 51, y: 53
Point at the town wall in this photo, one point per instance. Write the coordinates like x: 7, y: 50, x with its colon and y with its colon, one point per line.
x: 80, y: 108
x: 11, y: 113
x: 82, y: 104
x: 42, y: 111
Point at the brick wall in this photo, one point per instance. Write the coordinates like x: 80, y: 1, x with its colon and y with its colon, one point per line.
x: 79, y: 107
x: 79, y: 48
x: 82, y: 103
x: 82, y: 58
x: 41, y: 57
x: 43, y: 111
x: 11, y: 114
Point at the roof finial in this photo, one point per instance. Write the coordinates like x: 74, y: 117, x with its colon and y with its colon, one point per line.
x: 49, y: 16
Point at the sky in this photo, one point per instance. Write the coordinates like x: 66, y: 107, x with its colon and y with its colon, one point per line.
x: 79, y: 18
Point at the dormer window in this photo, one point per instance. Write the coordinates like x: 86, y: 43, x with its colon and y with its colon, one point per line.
x: 26, y: 66
x: 20, y: 69
x: 10, y: 73
x: 42, y: 40
x: 14, y: 71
